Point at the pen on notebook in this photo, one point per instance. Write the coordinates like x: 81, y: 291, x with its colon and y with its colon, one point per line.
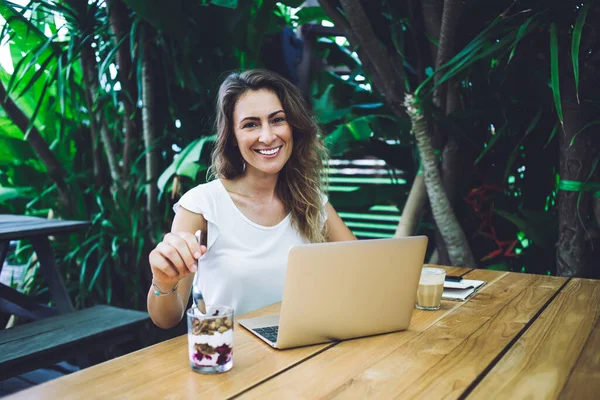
x: 196, y: 292
x: 453, y: 278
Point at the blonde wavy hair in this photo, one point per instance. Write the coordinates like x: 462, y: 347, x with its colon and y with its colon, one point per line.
x: 300, y: 182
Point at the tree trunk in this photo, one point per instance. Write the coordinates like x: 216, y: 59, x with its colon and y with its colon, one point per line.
x: 120, y: 26
x: 450, y: 18
x: 451, y: 231
x: 40, y: 146
x: 432, y: 16
x: 149, y: 125
x: 411, y: 214
x: 88, y: 62
x: 385, y: 65
x: 575, y: 165
x: 446, y: 99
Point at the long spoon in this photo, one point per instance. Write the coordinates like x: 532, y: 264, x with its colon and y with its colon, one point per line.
x: 196, y: 292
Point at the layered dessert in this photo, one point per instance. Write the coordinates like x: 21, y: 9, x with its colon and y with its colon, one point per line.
x: 210, y: 340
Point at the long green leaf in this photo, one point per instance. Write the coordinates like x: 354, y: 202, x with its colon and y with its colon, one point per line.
x: 486, y: 43
x: 491, y: 143
x: 552, y: 134
x: 575, y: 42
x: 597, y: 122
x: 11, y: 193
x: 534, y: 121
x: 60, y: 87
x: 36, y: 76
x: 554, y: 72
x: 109, y: 58
x: 37, y: 108
x: 40, y: 53
x: 97, y: 272
x: 523, y: 31
x: 225, y: 3
x: 86, y: 258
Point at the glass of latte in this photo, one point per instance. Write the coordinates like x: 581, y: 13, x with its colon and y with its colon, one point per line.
x: 431, y: 286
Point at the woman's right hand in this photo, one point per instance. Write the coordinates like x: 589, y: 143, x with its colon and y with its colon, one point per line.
x: 175, y: 258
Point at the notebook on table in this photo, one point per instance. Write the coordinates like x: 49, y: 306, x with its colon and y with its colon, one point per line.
x: 461, y: 291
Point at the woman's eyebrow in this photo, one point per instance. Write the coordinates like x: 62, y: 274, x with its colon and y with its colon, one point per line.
x: 258, y: 119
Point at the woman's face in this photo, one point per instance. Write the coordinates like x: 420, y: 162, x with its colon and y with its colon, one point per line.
x: 262, y: 132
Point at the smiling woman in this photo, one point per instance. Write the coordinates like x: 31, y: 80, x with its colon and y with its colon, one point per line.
x: 265, y: 198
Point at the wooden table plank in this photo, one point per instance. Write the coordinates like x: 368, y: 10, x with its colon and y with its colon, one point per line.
x: 584, y: 381
x: 339, y: 368
x: 163, y: 371
x: 540, y: 362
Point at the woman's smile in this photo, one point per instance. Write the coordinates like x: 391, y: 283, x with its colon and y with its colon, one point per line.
x: 269, y: 153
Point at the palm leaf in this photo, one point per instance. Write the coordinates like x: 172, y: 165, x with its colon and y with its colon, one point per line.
x: 554, y: 72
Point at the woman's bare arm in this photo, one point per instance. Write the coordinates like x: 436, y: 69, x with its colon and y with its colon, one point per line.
x: 336, y: 230
x: 172, y: 261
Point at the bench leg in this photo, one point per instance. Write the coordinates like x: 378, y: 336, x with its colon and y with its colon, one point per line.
x: 51, y: 274
x: 4, y: 245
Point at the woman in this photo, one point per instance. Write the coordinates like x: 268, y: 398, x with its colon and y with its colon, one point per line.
x: 266, y: 198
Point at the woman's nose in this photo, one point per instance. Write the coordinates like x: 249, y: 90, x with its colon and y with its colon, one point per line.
x: 266, y: 134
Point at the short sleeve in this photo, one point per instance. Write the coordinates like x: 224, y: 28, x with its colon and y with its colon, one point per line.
x: 194, y: 200
x: 200, y: 200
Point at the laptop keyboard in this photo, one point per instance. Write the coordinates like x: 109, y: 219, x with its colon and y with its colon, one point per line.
x: 269, y: 332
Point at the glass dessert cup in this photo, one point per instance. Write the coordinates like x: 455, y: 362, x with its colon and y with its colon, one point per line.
x: 210, y: 339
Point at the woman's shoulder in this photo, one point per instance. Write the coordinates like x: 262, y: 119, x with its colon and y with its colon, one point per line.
x: 201, y: 198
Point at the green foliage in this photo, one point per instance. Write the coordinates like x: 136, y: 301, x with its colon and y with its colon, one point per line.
x: 192, y: 160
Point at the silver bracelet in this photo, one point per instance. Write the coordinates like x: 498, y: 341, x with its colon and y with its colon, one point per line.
x: 159, y: 292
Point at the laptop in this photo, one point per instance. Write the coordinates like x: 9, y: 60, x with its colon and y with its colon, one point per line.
x: 344, y: 290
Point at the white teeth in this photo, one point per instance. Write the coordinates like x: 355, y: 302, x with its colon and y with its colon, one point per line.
x: 269, y: 152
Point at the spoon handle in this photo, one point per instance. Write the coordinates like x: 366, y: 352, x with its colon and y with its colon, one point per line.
x: 196, y: 292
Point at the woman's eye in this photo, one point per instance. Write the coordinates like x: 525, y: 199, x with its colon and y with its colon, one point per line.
x: 249, y: 125
x: 278, y: 120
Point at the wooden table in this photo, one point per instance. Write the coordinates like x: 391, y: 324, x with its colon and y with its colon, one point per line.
x: 521, y: 336
x: 16, y: 227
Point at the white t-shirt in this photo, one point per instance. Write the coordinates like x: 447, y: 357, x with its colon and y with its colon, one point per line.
x: 245, y: 263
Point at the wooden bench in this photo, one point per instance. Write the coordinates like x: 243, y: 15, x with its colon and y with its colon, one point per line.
x: 47, y: 341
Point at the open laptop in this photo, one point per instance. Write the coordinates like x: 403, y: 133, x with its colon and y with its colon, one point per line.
x: 344, y: 290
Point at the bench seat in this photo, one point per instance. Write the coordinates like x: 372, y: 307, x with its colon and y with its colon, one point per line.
x: 50, y: 340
